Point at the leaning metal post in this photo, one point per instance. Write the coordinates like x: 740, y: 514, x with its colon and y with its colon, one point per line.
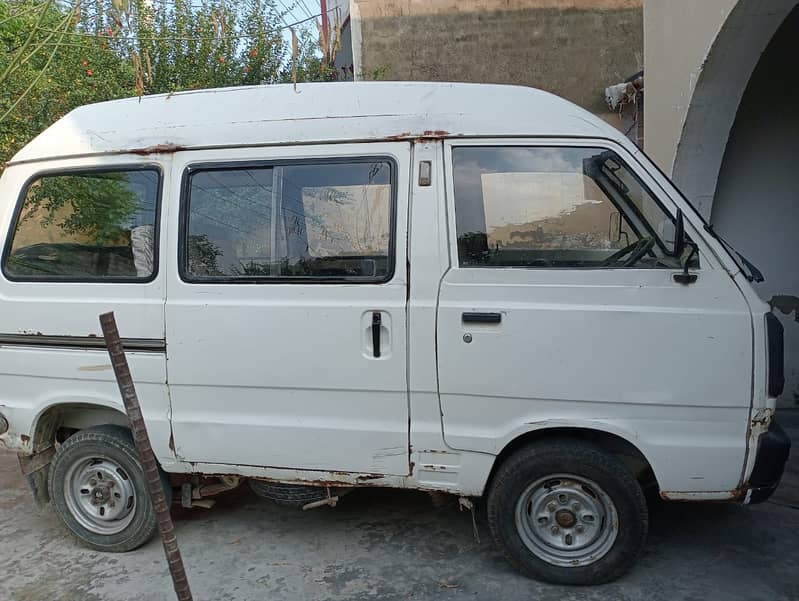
x: 146, y: 455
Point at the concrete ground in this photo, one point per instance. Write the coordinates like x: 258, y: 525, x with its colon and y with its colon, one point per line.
x: 395, y: 545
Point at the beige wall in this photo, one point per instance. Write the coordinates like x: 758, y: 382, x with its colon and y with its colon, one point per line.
x: 394, y: 8
x: 699, y: 60
x: 678, y: 34
x: 573, y: 48
x: 721, y: 117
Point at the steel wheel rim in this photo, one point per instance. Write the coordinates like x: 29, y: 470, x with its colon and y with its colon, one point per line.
x: 567, y: 520
x: 100, y: 495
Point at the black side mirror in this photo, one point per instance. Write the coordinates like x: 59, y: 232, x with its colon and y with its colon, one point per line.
x: 680, y: 244
x: 679, y: 235
x: 614, y: 233
x: 686, y: 278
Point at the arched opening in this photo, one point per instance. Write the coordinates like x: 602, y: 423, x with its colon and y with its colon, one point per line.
x: 736, y: 155
x: 756, y: 205
x: 722, y: 81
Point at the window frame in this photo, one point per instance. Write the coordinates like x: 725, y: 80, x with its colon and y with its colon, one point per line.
x: 86, y: 170
x: 185, y: 209
x: 565, y: 142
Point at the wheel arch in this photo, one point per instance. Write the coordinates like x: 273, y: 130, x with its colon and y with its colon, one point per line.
x: 615, y: 444
x: 77, y: 415
x: 53, y: 423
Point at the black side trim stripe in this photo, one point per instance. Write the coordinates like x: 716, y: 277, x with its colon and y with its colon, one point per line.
x: 150, y: 345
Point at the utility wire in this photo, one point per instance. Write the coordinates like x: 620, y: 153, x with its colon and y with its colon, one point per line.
x: 306, y: 9
x: 21, y: 13
x: 283, y: 11
x: 41, y: 73
x: 181, y: 38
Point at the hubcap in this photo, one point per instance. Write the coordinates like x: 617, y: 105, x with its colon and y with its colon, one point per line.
x: 100, y: 495
x: 567, y: 520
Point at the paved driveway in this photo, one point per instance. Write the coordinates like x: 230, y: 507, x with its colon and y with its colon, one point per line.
x: 394, y: 545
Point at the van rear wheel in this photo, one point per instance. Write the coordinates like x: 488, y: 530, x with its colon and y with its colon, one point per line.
x: 567, y: 512
x: 98, y: 490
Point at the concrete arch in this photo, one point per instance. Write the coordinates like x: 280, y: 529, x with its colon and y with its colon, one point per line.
x: 719, y: 89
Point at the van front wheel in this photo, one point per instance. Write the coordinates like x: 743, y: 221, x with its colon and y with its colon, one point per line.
x: 566, y: 512
x: 98, y: 489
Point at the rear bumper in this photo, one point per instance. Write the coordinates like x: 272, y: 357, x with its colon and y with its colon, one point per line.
x: 772, y: 454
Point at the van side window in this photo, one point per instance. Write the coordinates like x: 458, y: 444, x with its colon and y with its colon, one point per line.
x: 86, y: 226
x: 301, y: 221
x: 540, y: 207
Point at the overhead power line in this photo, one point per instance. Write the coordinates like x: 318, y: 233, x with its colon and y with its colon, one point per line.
x: 181, y: 38
x: 281, y: 6
x: 305, y: 8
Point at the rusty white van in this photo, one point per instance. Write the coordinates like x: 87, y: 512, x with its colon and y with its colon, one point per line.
x: 470, y: 289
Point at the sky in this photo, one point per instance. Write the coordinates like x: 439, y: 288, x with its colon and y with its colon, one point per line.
x: 297, y: 10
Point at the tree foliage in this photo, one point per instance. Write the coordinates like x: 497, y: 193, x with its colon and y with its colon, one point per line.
x: 96, y: 206
x: 55, y: 57
x: 54, y: 73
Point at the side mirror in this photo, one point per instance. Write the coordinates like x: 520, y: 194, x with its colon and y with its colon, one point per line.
x: 679, y: 235
x: 680, y: 244
x: 614, y: 233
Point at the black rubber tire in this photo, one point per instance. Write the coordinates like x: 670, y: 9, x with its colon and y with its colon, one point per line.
x: 115, y: 442
x: 581, y: 459
x: 289, y: 495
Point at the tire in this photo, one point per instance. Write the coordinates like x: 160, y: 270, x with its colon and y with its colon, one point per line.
x: 594, y: 537
x: 289, y: 495
x: 102, y: 462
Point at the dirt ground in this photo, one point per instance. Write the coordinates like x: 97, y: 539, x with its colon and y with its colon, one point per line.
x: 383, y: 544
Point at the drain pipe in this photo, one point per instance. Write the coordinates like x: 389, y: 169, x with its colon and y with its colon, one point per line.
x: 146, y: 456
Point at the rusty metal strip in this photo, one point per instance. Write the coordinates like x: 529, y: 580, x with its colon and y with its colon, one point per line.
x: 149, y: 345
x: 33, y: 463
x: 146, y: 455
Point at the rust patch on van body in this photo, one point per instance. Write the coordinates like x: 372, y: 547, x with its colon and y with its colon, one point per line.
x: 166, y: 148
x: 435, y: 133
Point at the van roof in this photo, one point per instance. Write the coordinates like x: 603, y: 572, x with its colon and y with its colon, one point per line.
x: 315, y: 112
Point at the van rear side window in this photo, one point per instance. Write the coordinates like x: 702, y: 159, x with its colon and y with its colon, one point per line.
x: 86, y: 226
x: 320, y: 221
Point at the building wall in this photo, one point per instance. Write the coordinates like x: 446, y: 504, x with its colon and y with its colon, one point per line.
x: 757, y: 199
x: 721, y: 118
x: 340, y: 24
x: 344, y: 60
x: 674, y: 54
x: 573, y: 48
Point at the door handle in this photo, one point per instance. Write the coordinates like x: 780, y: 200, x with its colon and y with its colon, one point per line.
x: 377, y: 322
x: 492, y: 318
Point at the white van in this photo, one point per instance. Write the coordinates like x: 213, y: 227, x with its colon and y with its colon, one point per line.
x: 472, y: 289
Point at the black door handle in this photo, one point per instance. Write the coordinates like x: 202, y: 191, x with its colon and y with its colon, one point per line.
x: 482, y: 318
x: 377, y: 322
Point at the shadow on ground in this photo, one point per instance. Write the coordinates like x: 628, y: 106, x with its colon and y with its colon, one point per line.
x: 384, y: 544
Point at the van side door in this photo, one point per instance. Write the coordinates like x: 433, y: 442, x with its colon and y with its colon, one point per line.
x: 562, y: 310
x: 286, y: 308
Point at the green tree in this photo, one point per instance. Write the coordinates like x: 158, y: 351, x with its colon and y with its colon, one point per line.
x: 56, y: 57
x: 47, y: 74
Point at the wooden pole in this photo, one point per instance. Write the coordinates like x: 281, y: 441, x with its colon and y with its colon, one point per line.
x: 146, y: 455
x: 325, y: 31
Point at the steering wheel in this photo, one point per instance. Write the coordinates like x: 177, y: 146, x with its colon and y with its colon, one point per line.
x: 636, y: 250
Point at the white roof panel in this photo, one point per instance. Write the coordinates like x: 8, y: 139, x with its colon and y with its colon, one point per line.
x: 316, y: 112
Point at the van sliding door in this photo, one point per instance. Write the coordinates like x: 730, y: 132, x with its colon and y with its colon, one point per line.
x: 286, y: 313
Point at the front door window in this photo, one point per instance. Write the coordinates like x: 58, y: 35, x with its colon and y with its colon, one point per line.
x: 544, y: 207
